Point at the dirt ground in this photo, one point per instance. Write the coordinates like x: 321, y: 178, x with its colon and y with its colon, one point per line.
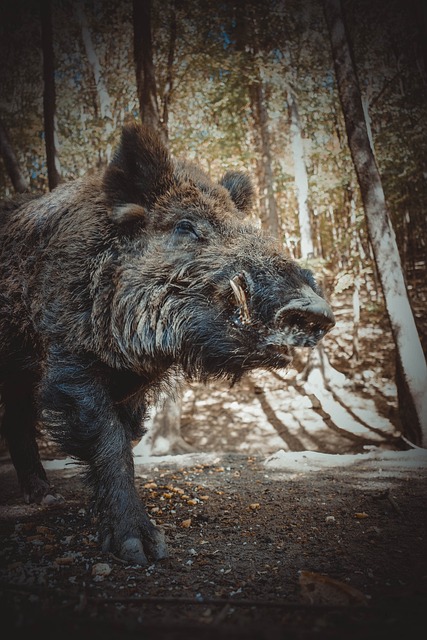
x: 255, y: 552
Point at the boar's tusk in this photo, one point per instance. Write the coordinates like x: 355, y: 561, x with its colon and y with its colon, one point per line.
x: 240, y: 296
x: 238, y: 291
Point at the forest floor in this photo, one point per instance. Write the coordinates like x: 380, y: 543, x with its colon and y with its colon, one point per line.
x: 298, y: 515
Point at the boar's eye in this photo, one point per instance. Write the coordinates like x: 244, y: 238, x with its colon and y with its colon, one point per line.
x: 186, y: 228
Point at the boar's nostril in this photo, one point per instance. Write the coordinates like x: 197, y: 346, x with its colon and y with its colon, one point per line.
x: 309, y: 322
x: 314, y: 318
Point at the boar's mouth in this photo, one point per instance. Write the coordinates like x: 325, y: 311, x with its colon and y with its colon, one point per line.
x: 302, y: 321
x: 309, y: 313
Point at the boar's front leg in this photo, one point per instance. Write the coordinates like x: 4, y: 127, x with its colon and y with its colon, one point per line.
x: 19, y: 430
x: 78, y: 408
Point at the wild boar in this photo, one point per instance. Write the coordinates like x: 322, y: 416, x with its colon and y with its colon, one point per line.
x: 114, y: 282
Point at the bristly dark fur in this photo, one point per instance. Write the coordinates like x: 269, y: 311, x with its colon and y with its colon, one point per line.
x: 112, y: 283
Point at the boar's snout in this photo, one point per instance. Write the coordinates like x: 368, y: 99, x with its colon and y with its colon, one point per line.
x: 305, y: 319
x: 300, y: 322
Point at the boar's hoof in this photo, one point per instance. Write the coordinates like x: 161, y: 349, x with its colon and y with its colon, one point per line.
x: 155, y: 545
x: 133, y: 552
x: 52, y: 498
x: 38, y: 490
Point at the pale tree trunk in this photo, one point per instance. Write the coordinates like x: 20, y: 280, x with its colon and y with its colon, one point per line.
x: 365, y: 107
x: 356, y: 316
x: 49, y: 98
x: 19, y: 182
x: 104, y: 99
x: 318, y: 355
x: 356, y: 279
x: 164, y: 428
x: 164, y: 434
x: 411, y: 370
x: 301, y: 178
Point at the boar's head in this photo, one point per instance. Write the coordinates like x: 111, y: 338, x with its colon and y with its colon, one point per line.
x: 194, y: 284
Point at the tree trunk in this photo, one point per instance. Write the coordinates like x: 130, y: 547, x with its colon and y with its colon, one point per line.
x: 356, y: 267
x: 412, y: 370
x: 421, y: 18
x: 144, y: 67
x: 49, y: 98
x: 301, y: 179
x: 268, y: 207
x: 247, y: 44
x: 19, y: 182
x: 104, y: 99
x: 168, y: 89
x: 355, y: 356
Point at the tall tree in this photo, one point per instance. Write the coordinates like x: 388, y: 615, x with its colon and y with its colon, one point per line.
x: 20, y: 183
x: 301, y: 178
x: 49, y: 97
x: 169, y: 85
x: 144, y: 66
x: 292, y: 54
x: 268, y: 206
x: 411, y: 364
x: 104, y: 99
x: 247, y: 43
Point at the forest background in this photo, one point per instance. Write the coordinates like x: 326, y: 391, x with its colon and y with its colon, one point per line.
x: 244, y: 85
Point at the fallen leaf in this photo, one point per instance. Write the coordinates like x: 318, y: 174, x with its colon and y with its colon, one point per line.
x: 64, y: 561
x: 317, y: 589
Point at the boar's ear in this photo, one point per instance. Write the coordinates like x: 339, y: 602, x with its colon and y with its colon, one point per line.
x: 241, y: 190
x: 138, y: 174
